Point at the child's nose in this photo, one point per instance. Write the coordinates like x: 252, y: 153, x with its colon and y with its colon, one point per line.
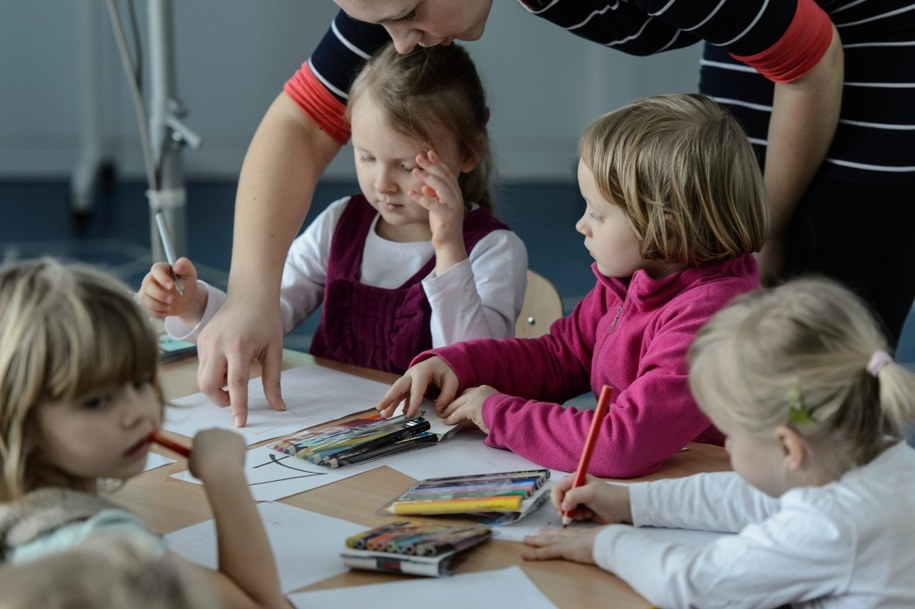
x: 384, y: 182
x: 581, y: 226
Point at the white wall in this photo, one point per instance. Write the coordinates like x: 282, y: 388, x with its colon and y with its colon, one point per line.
x: 233, y: 57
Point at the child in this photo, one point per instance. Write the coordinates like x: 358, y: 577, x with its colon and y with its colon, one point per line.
x: 79, y: 398
x: 417, y: 260
x: 675, y: 205
x: 823, y: 489
x: 104, y: 572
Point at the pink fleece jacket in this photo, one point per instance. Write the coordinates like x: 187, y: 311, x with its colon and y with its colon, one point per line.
x: 632, y: 336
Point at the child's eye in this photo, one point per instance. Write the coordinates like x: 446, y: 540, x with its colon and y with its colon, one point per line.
x: 594, y: 216
x: 141, y: 383
x: 96, y: 402
x: 407, y: 168
x: 365, y: 158
x: 409, y: 16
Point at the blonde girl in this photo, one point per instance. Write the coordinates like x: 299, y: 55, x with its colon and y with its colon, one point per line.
x: 674, y: 208
x: 416, y: 260
x: 823, y: 489
x: 79, y: 399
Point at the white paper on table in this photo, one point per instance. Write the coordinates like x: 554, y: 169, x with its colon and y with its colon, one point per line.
x: 273, y: 475
x: 154, y: 460
x: 313, y: 395
x: 306, y: 545
x: 463, y: 454
x: 504, y: 588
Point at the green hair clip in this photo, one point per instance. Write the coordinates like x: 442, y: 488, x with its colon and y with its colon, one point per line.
x: 798, y: 411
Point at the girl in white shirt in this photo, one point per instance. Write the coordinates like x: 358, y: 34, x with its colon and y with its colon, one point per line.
x: 822, y: 495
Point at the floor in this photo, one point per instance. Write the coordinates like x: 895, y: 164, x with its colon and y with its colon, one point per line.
x: 38, y: 220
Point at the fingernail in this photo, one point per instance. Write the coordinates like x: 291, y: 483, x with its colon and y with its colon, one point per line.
x: 239, y: 422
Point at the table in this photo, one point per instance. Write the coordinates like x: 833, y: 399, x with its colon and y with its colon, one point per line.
x: 167, y: 505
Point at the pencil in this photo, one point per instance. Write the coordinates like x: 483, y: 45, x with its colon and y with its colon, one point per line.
x: 467, y: 505
x: 169, y: 248
x: 170, y: 444
x: 603, y: 404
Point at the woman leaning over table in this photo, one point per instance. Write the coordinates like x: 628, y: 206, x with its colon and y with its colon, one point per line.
x: 792, y: 43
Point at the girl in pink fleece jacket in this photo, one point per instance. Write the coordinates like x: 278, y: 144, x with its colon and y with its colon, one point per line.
x: 675, y: 206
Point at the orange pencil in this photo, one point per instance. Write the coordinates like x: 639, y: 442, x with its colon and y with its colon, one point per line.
x: 173, y: 446
x: 603, y: 404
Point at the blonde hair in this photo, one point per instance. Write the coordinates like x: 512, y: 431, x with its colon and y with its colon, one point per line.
x: 432, y: 92
x: 65, y: 330
x: 797, y: 355
x: 104, y: 572
x: 683, y: 171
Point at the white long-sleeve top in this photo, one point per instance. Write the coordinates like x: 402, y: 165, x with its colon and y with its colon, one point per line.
x: 848, y: 544
x: 479, y: 297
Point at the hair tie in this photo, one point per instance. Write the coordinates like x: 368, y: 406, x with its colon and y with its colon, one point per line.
x: 878, y: 360
x: 799, y: 412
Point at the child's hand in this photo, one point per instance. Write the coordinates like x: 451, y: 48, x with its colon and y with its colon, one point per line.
x: 414, y: 384
x: 576, y: 545
x: 159, y: 296
x: 441, y: 195
x: 468, y: 407
x: 217, y: 452
x: 595, y: 500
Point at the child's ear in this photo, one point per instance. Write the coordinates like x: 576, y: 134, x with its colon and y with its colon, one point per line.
x: 469, y: 164
x: 794, y: 449
x: 469, y: 160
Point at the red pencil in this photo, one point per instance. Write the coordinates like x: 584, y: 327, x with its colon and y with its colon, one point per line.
x: 173, y: 446
x: 603, y: 404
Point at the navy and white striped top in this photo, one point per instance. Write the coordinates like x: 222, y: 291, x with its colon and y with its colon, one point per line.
x: 875, y: 140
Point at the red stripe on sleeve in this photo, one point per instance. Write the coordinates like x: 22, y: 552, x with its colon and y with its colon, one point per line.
x: 799, y: 49
x: 318, y: 103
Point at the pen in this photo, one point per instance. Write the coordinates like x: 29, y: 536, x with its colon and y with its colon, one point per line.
x: 173, y: 446
x: 603, y: 403
x: 169, y: 248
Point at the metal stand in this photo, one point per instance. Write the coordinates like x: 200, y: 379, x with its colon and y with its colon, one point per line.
x: 168, y: 135
x: 84, y: 178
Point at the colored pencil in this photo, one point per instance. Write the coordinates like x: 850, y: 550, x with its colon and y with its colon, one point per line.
x: 603, y: 404
x: 466, y: 505
x: 170, y: 444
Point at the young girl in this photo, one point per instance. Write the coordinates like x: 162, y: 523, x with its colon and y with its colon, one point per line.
x: 79, y: 398
x: 823, y: 489
x: 674, y: 207
x: 417, y: 260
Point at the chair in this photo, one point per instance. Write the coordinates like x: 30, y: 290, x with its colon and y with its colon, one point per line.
x: 542, y: 306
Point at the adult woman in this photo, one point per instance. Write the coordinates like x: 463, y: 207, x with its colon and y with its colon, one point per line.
x: 792, y: 42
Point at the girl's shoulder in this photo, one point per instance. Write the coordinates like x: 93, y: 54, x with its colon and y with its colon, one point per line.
x: 54, y: 518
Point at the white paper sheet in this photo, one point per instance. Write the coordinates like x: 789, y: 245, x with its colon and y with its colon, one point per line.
x: 273, y: 475
x: 313, y: 395
x: 154, y: 460
x: 504, y: 588
x: 306, y: 545
x: 463, y: 454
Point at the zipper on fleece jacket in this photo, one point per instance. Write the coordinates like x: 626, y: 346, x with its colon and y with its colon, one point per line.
x: 615, y: 319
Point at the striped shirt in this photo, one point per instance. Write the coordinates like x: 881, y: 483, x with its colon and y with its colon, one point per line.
x: 875, y: 140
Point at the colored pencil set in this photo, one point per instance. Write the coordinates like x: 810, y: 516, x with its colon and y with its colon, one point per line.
x: 359, y: 440
x: 517, y: 493
x: 419, y: 548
